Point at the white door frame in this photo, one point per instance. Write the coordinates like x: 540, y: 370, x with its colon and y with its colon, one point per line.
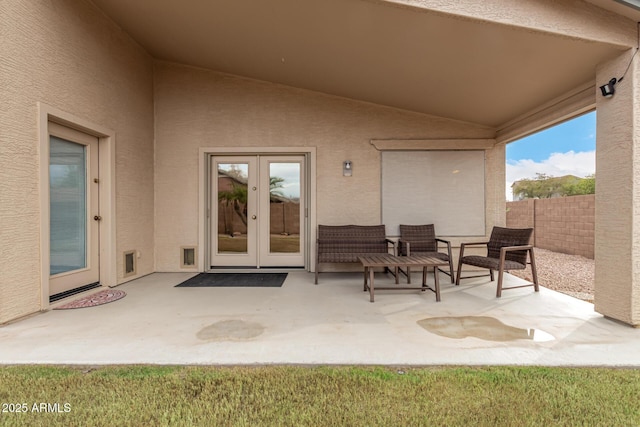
x: 204, y: 194
x: 107, y: 176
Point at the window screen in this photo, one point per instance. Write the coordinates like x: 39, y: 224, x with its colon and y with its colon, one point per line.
x: 444, y: 188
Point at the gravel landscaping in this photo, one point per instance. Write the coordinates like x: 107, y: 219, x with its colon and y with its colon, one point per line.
x: 570, y: 274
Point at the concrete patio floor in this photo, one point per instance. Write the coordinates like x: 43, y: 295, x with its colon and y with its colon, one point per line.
x: 331, y: 323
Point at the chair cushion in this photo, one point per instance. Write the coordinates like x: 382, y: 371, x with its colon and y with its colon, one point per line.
x: 492, y: 263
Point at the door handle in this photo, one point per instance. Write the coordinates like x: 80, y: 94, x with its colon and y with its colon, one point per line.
x: 253, y: 217
x: 97, y: 218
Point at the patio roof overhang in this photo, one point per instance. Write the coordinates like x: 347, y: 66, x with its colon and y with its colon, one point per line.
x: 389, y: 53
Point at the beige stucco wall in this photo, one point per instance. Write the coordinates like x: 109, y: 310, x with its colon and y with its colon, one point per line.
x: 199, y: 108
x: 67, y: 55
x: 617, y: 230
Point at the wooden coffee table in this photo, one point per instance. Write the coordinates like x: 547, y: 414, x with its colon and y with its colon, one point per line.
x: 369, y: 262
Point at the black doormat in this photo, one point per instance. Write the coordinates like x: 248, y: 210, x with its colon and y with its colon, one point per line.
x: 239, y: 280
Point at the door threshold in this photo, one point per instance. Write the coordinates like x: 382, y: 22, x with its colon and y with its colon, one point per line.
x: 75, y: 291
x: 254, y: 269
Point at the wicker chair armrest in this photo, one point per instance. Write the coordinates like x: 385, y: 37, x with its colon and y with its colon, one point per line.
x: 406, y: 244
x: 516, y: 248
x: 505, y: 249
x: 393, y: 245
x: 446, y: 242
x: 474, y: 243
x: 463, y: 245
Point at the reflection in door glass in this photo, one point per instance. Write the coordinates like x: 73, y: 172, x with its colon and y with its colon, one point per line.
x: 284, y: 215
x: 68, y: 206
x: 232, y: 207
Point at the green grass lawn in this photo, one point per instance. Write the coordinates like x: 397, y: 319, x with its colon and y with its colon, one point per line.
x: 318, y: 396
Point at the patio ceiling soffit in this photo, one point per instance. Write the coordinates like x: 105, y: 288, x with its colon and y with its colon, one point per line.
x: 405, y: 57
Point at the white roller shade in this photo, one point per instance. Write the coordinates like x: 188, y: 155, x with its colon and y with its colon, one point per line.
x: 444, y: 188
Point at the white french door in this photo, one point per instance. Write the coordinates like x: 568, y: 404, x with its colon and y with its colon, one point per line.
x: 282, y: 206
x: 257, y: 211
x: 73, y: 209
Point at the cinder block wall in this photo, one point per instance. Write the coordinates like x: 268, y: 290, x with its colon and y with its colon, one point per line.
x: 564, y: 224
x: 521, y: 215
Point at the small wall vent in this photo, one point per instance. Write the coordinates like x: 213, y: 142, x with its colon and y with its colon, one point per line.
x: 187, y: 256
x: 130, y: 263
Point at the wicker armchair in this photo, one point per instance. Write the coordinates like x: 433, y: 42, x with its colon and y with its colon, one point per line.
x: 507, y: 249
x: 422, y: 240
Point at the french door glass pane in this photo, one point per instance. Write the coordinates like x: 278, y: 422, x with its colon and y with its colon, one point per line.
x: 284, y: 215
x: 232, y: 207
x: 68, y: 206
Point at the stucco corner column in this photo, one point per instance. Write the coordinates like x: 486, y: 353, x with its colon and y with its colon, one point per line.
x: 617, y: 231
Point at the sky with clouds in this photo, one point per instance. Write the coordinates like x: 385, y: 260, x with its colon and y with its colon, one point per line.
x: 566, y: 149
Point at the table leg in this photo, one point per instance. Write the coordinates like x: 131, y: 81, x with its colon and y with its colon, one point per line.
x: 366, y: 273
x: 408, y: 274
x: 437, y: 284
x: 371, y: 272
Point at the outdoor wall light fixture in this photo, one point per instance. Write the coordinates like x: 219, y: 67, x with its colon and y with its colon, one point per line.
x: 347, y: 168
x: 609, y: 89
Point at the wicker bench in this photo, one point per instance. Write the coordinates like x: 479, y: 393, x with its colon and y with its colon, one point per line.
x: 345, y: 243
